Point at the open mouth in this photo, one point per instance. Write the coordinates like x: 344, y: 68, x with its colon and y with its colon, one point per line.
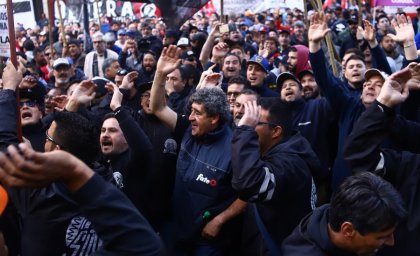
x: 106, y: 143
x: 26, y: 115
x: 289, y: 94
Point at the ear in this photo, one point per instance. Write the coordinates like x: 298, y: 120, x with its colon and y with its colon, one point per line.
x: 347, y: 230
x: 215, y: 119
x: 277, y: 133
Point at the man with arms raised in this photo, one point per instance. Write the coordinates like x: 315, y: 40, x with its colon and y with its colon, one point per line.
x: 205, y: 200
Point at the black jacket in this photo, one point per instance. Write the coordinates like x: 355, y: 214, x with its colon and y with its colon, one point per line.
x: 282, y: 178
x: 402, y: 169
x: 131, y: 166
x: 311, y: 237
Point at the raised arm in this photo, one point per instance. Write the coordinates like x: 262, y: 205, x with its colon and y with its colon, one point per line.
x: 208, y: 45
x: 362, y: 149
x: 168, y: 62
x: 123, y: 230
x: 405, y: 34
x: 334, y: 89
x: 8, y: 106
x: 378, y: 54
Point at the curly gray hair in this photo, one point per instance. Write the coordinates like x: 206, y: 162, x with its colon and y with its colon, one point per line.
x: 214, y: 101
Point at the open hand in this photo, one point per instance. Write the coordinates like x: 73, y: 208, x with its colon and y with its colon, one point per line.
x: 169, y: 60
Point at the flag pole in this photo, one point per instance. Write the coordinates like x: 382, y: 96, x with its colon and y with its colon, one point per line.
x: 61, y: 24
x: 13, y: 59
x: 50, y: 27
x: 329, y: 42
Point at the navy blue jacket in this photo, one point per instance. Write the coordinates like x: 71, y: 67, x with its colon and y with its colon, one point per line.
x: 278, y: 180
x: 313, y: 119
x: 346, y: 106
x: 203, y: 180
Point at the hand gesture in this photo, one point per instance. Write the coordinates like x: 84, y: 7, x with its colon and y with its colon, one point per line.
x: 128, y: 80
x: 205, y: 73
x: 263, y: 52
x: 414, y: 82
x: 369, y: 33
x: 404, y: 29
x: 251, y: 115
x: 117, y: 96
x: 318, y: 28
x: 215, y: 31
x: 395, y: 90
x: 28, y: 168
x: 220, y: 50
x: 212, y: 80
x: 59, y: 102
x: 169, y: 60
x: 11, y: 77
x: 28, y: 82
x: 129, y: 44
x: 84, y: 93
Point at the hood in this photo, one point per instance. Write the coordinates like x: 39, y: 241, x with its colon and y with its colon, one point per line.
x: 317, y: 231
x: 303, y: 59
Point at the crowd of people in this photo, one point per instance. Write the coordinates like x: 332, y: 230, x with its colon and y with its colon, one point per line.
x: 235, y: 138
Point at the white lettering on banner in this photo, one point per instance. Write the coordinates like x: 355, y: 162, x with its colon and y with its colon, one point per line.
x: 402, y: 1
x: 239, y: 6
x: 4, y: 33
x: 73, y: 11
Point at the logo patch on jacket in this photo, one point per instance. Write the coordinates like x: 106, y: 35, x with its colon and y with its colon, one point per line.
x: 211, y: 182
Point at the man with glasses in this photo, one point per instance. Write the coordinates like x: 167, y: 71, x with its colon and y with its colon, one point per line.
x: 272, y: 166
x: 47, y: 214
x: 235, y: 86
x: 95, y: 59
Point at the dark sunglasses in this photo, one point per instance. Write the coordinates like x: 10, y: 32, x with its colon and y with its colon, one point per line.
x: 30, y: 103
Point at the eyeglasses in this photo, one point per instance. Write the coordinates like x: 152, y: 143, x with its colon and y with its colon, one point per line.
x: 30, y: 103
x: 234, y: 94
x: 98, y: 42
x: 48, y: 137
x: 122, y: 72
x: 267, y: 123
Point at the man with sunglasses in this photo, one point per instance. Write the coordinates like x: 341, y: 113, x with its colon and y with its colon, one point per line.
x: 272, y: 166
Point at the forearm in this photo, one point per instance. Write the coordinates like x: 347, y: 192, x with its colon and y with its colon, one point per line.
x: 251, y: 178
x: 362, y: 149
x: 72, y: 105
x: 137, y: 140
x: 207, y: 47
x: 157, y: 93
x: 410, y: 50
x: 236, y: 208
x: 314, y: 46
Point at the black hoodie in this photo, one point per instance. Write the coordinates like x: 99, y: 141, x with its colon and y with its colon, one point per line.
x: 280, y: 182
x: 311, y: 237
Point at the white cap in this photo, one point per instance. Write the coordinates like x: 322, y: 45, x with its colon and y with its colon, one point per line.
x: 183, y: 41
x: 375, y: 72
x: 60, y: 61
